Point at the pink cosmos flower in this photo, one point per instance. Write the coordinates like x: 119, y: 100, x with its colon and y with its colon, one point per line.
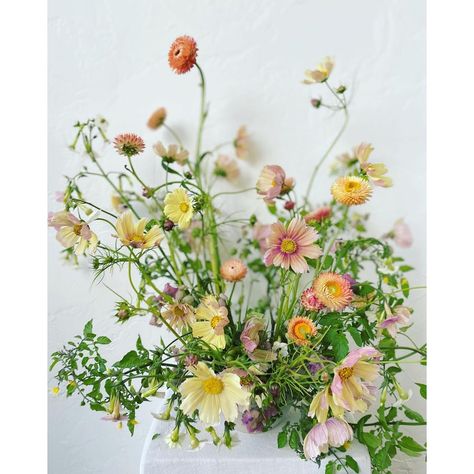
x: 332, y: 434
x: 288, y: 246
x: 249, y: 336
x: 351, y: 387
x: 261, y: 232
x: 402, y: 234
x: 399, y: 317
x: 270, y: 182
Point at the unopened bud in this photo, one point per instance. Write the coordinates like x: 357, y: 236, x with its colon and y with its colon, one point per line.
x: 289, y: 205
x: 316, y: 103
x: 168, y: 225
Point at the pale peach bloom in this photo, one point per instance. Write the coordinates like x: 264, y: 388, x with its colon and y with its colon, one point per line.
x: 129, y: 144
x: 333, y: 290
x: 233, y: 270
x: 318, y: 215
x: 261, y: 232
x: 226, y: 167
x: 172, y: 153
x: 402, y: 234
x: 157, y: 118
x: 241, y: 143
x: 375, y: 171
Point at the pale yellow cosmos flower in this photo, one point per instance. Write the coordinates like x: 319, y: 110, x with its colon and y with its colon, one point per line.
x: 320, y: 74
x: 132, y: 233
x: 179, y: 208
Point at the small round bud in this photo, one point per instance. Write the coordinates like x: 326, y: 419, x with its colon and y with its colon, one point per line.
x: 289, y: 205
x: 316, y: 103
x: 168, y: 225
x: 341, y: 89
x: 188, y: 175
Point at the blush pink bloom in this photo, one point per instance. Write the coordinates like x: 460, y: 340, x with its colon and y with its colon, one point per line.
x: 271, y: 181
x: 318, y: 214
x: 399, y: 317
x: 249, y: 336
x: 402, y: 234
x: 351, y: 387
x: 334, y: 433
x: 261, y: 232
x: 310, y: 301
x: 288, y: 246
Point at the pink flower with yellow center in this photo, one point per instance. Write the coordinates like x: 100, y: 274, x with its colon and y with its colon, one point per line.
x: 351, y: 387
x: 333, y: 290
x: 310, y: 301
x: 398, y: 318
x: 288, y: 246
x: 300, y: 330
x: 270, y: 182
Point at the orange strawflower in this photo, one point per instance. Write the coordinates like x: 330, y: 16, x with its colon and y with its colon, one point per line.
x: 333, y: 290
x: 182, y: 54
x: 300, y: 329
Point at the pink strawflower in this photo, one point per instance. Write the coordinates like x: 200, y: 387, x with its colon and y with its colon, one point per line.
x: 333, y: 433
x: 351, y: 387
x: 318, y: 215
x: 261, y: 232
x: 402, y: 234
x: 399, y: 317
x: 129, y: 144
x: 310, y: 301
x: 288, y: 246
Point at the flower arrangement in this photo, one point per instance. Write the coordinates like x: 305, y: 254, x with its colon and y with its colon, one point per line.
x: 321, y: 346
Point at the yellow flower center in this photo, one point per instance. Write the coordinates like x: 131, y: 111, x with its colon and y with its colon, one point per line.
x: 333, y: 288
x: 213, y: 386
x: 346, y: 373
x: 215, y: 321
x: 77, y: 229
x: 352, y: 186
x: 184, y: 207
x: 288, y: 246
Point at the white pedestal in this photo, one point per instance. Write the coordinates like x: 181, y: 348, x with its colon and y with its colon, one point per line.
x: 251, y: 454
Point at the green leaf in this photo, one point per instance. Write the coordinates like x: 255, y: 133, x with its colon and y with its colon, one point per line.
x: 355, y: 333
x: 330, y: 467
x: 407, y: 444
x: 339, y: 344
x: 103, y: 340
x: 352, y: 463
x: 129, y: 360
x: 294, y: 439
x: 422, y: 389
x: 327, y: 262
x: 282, y: 439
x: 406, y: 268
x: 87, y: 331
x: 97, y: 407
x: 405, y: 286
x: 371, y: 440
x: 414, y: 415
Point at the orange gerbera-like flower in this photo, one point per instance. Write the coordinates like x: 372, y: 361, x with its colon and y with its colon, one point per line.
x: 182, y: 54
x: 333, y: 290
x: 233, y: 270
x: 129, y: 144
x: 351, y: 190
x: 300, y: 329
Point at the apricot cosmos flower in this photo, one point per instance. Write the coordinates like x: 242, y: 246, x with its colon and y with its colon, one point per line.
x: 157, y: 119
x: 182, y: 54
x: 288, y: 246
x: 351, y: 387
x: 132, y: 233
x: 212, y: 394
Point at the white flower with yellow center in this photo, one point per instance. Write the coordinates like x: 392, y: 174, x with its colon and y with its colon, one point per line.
x: 213, y: 394
x: 320, y: 74
x: 179, y: 208
x: 212, y: 318
x: 132, y: 233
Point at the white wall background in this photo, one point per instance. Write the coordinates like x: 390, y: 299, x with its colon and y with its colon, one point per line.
x: 110, y: 57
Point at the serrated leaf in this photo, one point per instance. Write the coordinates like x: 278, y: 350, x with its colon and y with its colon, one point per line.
x: 355, y: 334
x: 371, y: 440
x: 330, y: 468
x: 129, y: 360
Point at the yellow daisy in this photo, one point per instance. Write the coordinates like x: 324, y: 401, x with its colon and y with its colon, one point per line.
x: 351, y: 190
x: 132, y: 233
x: 213, y: 394
x: 179, y: 208
x: 212, y: 318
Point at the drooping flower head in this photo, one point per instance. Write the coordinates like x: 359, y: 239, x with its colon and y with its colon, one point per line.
x: 73, y: 232
x: 398, y: 317
x: 179, y: 315
x: 375, y: 171
x: 157, y: 119
x: 333, y: 290
x: 179, y: 208
x: 351, y: 190
x: 310, y: 301
x: 321, y: 404
x: 333, y: 433
x: 250, y: 334
x: 320, y: 74
x: 129, y: 144
x: 318, y: 215
x: 241, y: 143
x: 288, y: 246
x: 133, y: 234
x: 212, y: 394
x: 172, y: 154
x: 300, y: 330
x: 233, y: 270
x: 212, y: 318
x: 351, y: 386
x: 226, y: 167
x: 270, y: 182
x: 182, y: 54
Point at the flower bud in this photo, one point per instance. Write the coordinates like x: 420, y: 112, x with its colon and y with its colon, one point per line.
x: 289, y: 205
x: 341, y: 89
x: 168, y: 225
x: 316, y: 103
x: 215, y: 439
